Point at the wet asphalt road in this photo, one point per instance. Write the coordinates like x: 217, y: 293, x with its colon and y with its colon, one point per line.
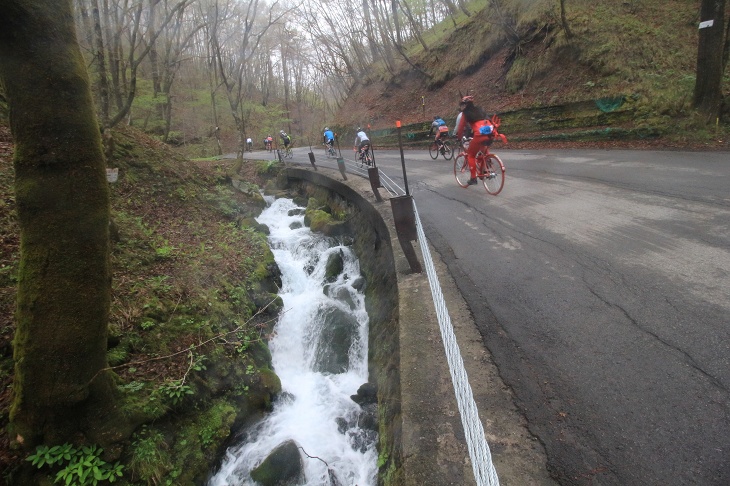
x: 600, y: 282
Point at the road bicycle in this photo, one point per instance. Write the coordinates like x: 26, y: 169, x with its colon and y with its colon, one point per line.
x: 490, y: 168
x: 288, y: 153
x: 330, y: 149
x: 365, y: 156
x: 442, y: 147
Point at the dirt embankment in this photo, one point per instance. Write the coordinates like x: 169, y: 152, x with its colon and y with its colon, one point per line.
x: 409, y: 98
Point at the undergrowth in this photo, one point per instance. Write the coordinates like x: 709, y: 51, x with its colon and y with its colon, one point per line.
x: 193, y: 299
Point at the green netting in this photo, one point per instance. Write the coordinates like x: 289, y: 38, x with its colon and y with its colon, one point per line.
x: 607, y: 105
x: 380, y: 133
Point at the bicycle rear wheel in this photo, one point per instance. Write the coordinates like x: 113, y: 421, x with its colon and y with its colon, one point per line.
x: 448, y: 152
x: 433, y: 150
x: 461, y: 170
x: 494, y: 177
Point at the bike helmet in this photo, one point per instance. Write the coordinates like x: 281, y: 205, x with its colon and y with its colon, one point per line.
x: 467, y: 99
x: 436, y: 117
x: 326, y: 128
x: 358, y: 129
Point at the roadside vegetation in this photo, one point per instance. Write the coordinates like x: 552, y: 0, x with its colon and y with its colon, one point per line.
x: 193, y: 298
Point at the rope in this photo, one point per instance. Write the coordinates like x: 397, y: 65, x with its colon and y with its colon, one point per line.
x: 476, y: 442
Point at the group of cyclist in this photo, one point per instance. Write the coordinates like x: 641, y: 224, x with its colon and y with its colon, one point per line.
x: 472, y: 121
x: 361, y: 145
x: 269, y: 141
x: 328, y: 137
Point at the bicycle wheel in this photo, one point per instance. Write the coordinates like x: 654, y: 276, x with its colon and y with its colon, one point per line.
x: 461, y: 170
x: 494, y: 177
x: 368, y: 158
x: 433, y: 150
x: 448, y: 152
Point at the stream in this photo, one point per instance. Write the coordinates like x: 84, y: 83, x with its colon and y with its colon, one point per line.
x: 319, y: 351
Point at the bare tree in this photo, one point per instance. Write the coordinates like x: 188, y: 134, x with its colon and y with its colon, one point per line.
x: 125, y: 54
x: 232, y: 59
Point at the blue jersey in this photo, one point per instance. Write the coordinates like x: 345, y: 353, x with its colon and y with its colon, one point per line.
x: 329, y: 135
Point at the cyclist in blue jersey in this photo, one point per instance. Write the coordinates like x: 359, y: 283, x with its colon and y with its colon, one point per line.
x: 328, y: 136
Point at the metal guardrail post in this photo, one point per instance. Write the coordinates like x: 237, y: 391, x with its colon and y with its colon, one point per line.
x: 404, y: 216
x: 311, y: 157
x: 341, y: 166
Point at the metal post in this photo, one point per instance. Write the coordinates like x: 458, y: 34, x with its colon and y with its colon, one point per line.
x: 374, y: 176
x: 402, y: 158
x: 311, y: 156
x: 341, y: 166
x: 404, y: 218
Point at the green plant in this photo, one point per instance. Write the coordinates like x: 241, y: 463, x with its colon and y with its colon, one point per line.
x: 81, y: 467
x: 175, y: 390
x: 150, y: 459
x: 164, y: 251
x: 132, y: 387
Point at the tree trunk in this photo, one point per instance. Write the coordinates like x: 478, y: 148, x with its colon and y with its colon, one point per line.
x: 369, y: 29
x: 101, y: 66
x: 60, y: 392
x: 284, y: 50
x: 415, y: 27
x: 708, y: 86
x: 564, y: 20
x: 396, y: 21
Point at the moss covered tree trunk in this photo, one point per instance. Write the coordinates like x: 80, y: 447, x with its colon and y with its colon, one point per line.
x: 63, y: 209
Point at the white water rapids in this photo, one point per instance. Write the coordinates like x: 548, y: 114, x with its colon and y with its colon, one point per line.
x: 313, y: 402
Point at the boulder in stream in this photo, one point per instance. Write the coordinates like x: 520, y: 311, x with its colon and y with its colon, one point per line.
x: 283, y: 467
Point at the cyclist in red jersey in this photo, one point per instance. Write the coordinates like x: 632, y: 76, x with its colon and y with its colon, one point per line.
x: 475, y: 117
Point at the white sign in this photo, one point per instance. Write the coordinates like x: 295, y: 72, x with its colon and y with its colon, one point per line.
x: 706, y: 23
x: 112, y: 174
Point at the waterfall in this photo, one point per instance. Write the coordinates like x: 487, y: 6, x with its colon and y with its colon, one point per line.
x: 319, y: 351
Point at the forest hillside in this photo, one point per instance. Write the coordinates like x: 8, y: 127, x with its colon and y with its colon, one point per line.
x: 624, y: 75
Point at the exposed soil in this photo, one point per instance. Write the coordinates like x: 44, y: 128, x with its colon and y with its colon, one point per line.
x: 378, y: 105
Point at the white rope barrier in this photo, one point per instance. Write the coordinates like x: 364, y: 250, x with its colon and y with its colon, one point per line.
x: 476, y: 442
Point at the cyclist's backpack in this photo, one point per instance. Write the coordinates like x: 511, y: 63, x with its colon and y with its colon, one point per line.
x: 443, y: 129
x: 487, y: 129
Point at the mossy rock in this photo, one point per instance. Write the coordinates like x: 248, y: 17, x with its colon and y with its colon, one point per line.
x: 321, y: 221
x: 260, y: 353
x: 199, y: 440
x: 283, y: 466
x: 271, y: 386
x: 335, y: 266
